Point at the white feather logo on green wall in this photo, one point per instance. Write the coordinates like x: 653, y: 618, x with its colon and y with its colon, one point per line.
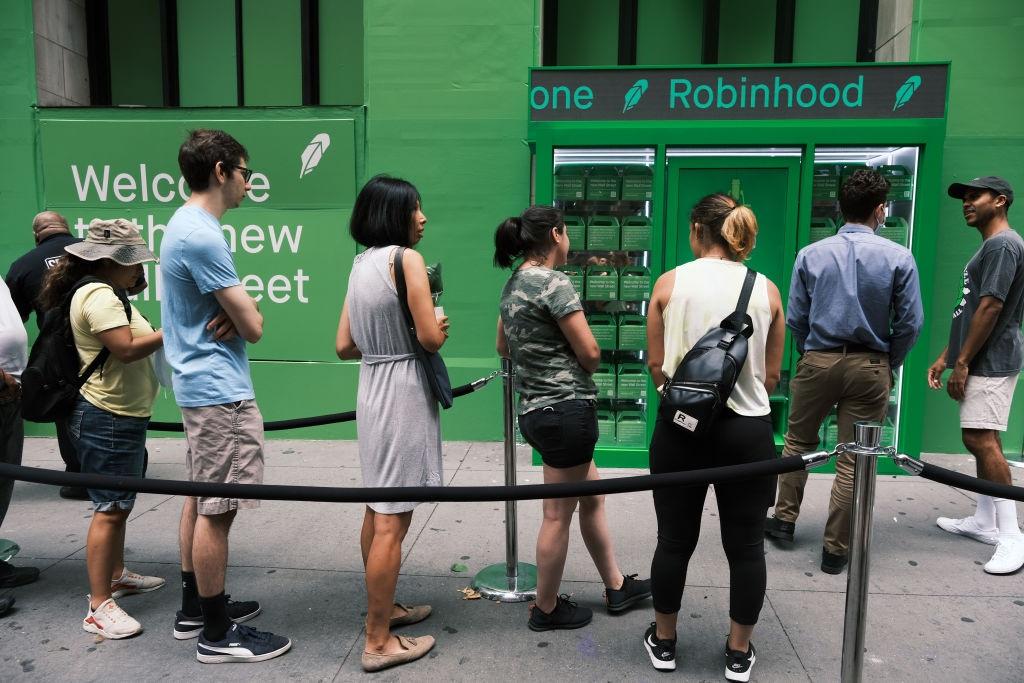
x: 634, y: 94
x: 906, y: 91
x: 314, y: 152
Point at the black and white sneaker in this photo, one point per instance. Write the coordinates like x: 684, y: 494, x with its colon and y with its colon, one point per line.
x: 661, y: 652
x: 186, y: 627
x: 241, y: 644
x: 738, y: 664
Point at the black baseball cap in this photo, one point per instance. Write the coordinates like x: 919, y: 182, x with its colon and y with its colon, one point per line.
x: 989, y: 182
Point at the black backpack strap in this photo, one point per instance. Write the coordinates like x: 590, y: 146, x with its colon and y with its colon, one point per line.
x: 738, y: 321
x: 104, y: 353
x: 403, y: 294
x: 748, y: 288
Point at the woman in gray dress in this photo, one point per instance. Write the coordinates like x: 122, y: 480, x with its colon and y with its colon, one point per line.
x: 397, y: 415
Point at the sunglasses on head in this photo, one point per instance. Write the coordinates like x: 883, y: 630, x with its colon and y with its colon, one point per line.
x: 246, y: 172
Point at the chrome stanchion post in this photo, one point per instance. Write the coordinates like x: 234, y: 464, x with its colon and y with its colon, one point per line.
x: 868, y: 436
x: 513, y: 581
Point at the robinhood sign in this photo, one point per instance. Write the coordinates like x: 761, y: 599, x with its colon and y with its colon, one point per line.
x: 288, y: 237
x: 772, y: 92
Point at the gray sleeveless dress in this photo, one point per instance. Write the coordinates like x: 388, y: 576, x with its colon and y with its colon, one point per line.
x: 397, y: 418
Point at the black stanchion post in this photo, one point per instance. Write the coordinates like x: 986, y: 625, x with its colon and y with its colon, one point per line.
x: 513, y: 581
x: 868, y: 435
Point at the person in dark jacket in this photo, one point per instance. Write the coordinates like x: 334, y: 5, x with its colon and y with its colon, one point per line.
x: 25, y: 280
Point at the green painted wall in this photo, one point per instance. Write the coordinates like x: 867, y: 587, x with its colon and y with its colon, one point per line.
x: 669, y: 31
x: 271, y: 52
x: 825, y: 31
x: 207, y: 73
x: 341, y: 52
x: 446, y: 98
x: 135, y: 59
x: 746, y: 32
x: 588, y: 32
x: 18, y: 192
x: 446, y: 107
x: 983, y: 136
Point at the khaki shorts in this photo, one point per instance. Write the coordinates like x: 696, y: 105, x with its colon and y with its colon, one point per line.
x: 225, y: 446
x: 986, y: 403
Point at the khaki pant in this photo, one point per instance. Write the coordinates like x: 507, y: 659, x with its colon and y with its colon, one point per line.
x: 858, y: 385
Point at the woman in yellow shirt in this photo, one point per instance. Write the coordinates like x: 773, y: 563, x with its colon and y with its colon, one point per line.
x: 109, y: 420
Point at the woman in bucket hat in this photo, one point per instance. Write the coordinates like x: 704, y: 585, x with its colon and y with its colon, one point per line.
x: 109, y: 420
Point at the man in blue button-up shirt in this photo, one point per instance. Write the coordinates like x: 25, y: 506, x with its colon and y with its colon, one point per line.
x: 854, y: 312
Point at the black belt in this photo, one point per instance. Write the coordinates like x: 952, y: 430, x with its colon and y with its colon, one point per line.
x: 848, y: 348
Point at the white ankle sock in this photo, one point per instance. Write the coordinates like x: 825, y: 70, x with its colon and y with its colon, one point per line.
x: 1006, y: 516
x: 985, y: 514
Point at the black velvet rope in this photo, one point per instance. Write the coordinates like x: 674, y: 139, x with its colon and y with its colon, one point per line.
x: 964, y: 481
x: 330, y: 494
x: 316, y: 421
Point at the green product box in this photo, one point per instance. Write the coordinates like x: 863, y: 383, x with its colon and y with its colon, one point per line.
x: 604, y: 183
x: 822, y: 228
x: 631, y: 428
x: 575, y: 275
x: 632, y: 332
x: 637, y: 183
x: 895, y: 229
x: 570, y: 181
x: 636, y: 233
x: 576, y: 231
x: 826, y: 182
x: 901, y: 182
x: 602, y: 233
x: 634, y: 284
x: 604, y: 329
x: 606, y: 426
x: 631, y: 381
x: 602, y: 283
x: 604, y: 378
x: 888, y: 434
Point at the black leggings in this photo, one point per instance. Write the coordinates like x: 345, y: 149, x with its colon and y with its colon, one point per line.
x: 742, y: 506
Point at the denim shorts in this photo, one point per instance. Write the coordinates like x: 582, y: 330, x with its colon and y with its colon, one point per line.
x: 563, y: 433
x: 108, y: 444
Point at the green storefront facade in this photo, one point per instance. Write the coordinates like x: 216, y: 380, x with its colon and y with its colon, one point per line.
x: 438, y: 92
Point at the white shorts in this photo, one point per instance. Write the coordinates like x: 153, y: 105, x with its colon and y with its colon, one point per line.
x: 986, y: 403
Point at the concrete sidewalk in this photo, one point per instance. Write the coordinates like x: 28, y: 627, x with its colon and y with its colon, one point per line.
x: 934, y: 614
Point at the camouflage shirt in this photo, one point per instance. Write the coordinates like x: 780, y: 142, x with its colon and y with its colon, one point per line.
x: 547, y: 370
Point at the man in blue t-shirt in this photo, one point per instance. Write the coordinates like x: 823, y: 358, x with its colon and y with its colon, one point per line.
x: 208, y: 317
x: 986, y: 354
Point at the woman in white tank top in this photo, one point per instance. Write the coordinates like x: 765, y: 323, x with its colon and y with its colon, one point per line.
x: 687, y: 302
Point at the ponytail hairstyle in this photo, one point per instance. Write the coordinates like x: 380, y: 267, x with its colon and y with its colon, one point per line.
x: 726, y: 224
x: 59, y: 279
x: 525, y: 235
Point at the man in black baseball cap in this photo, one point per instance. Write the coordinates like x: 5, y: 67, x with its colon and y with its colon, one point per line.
x: 986, y: 355
x: 993, y: 183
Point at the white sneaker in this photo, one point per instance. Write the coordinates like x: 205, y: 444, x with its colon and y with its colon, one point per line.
x: 131, y: 583
x: 1009, y: 555
x: 110, y: 621
x: 968, y: 526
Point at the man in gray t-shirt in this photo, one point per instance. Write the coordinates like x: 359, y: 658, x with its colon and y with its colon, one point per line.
x: 986, y: 354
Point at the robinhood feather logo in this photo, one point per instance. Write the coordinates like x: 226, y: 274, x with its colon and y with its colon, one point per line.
x: 314, y: 152
x: 634, y: 95
x: 906, y: 91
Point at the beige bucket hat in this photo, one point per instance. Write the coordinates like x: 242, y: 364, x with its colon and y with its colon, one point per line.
x: 118, y: 240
